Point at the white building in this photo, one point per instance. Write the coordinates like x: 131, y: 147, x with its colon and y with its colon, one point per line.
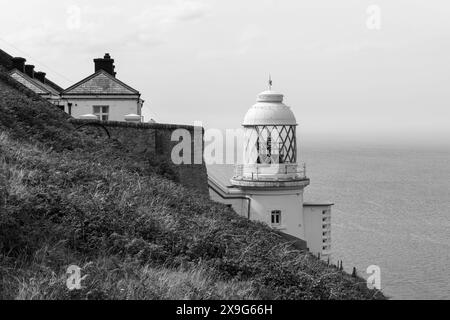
x: 103, y: 95
x: 269, y: 185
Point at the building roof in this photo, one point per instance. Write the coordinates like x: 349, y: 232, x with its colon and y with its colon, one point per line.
x: 221, y: 173
x: 100, y: 83
x: 270, y: 110
x: 6, y: 61
x: 53, y: 85
x: 33, y: 84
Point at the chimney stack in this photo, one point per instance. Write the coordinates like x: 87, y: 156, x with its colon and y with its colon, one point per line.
x: 106, y: 64
x: 29, y: 70
x: 40, y: 76
x: 19, y: 63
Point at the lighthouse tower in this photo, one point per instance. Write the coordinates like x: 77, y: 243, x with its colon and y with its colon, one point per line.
x: 270, y: 174
x: 269, y: 185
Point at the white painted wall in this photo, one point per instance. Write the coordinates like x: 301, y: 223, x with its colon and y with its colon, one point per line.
x: 118, y: 108
x: 290, y: 203
x: 315, y: 228
x: 309, y: 222
x: 263, y: 202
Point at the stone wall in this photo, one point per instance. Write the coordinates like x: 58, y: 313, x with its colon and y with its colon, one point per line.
x: 153, y: 141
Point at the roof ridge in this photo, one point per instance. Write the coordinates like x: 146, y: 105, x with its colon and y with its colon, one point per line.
x: 33, y: 81
x: 92, y: 76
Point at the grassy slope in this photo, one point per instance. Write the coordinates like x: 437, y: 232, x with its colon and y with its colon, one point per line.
x: 68, y: 199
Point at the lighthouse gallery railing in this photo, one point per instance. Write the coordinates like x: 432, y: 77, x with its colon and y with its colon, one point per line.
x: 270, y: 171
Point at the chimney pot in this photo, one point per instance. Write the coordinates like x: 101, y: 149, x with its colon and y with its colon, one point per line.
x: 29, y: 70
x: 40, y: 76
x: 19, y: 63
x: 106, y: 64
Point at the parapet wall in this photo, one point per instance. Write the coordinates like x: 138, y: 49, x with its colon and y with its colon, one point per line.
x: 153, y: 141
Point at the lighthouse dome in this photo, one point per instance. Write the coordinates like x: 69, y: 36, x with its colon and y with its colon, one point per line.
x: 270, y: 110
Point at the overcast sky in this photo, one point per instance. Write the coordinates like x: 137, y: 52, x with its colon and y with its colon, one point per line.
x: 207, y: 60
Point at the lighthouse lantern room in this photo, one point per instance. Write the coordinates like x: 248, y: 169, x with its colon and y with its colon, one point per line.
x: 270, y: 145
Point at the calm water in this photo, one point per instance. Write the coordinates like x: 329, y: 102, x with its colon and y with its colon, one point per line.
x: 392, y: 210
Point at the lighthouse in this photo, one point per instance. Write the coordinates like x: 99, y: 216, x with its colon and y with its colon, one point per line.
x: 269, y: 185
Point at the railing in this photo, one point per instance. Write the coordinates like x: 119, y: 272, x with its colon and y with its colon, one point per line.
x: 270, y: 172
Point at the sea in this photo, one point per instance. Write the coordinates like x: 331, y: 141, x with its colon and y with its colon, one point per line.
x: 392, y: 210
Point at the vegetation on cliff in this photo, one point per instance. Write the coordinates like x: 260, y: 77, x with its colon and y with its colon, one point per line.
x: 68, y: 198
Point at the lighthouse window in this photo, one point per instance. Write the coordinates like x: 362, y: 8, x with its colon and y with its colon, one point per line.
x: 276, y: 217
x: 274, y: 144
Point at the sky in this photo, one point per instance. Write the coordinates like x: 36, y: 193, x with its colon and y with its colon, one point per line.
x: 352, y: 70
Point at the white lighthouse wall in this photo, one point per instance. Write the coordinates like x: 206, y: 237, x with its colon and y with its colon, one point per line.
x: 290, y: 205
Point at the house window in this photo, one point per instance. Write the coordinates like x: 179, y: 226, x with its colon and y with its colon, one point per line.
x: 102, y: 112
x: 276, y: 217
